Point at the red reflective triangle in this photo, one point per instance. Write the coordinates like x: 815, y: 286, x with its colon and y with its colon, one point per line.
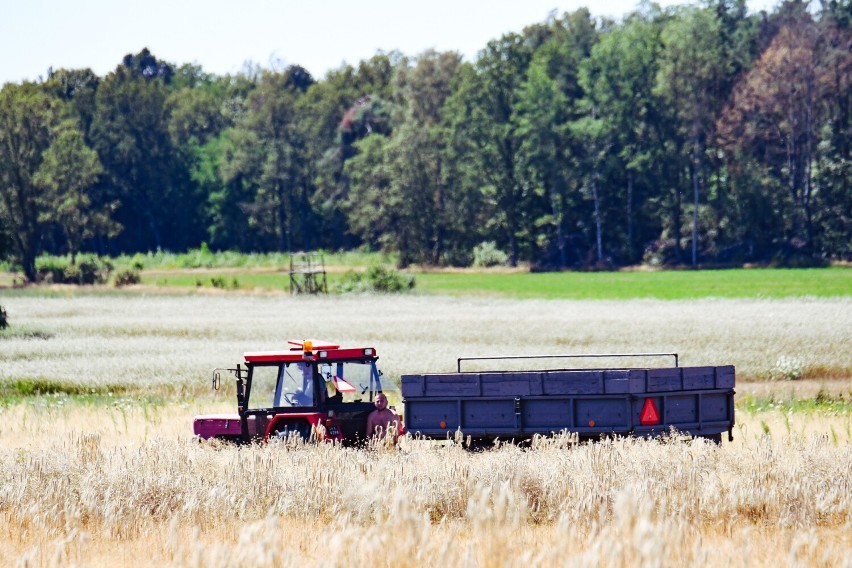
x: 649, y: 415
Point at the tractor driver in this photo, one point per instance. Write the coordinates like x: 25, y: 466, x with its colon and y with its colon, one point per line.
x: 303, y: 395
x: 382, y: 420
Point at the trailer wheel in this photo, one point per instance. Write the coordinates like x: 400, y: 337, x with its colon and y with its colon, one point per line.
x: 715, y: 438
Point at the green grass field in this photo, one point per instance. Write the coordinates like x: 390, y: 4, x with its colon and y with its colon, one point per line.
x: 233, y: 271
x: 663, y: 285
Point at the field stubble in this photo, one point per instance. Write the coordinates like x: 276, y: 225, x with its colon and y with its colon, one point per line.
x: 117, y: 492
x: 118, y: 482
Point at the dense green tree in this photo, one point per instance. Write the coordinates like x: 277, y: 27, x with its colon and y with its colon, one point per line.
x: 269, y: 163
x: 691, y: 65
x: 540, y: 119
x: 554, y: 159
x: 372, y: 212
x: 28, y: 117
x: 78, y: 88
x: 484, y: 135
x: 130, y: 134
x: 66, y: 175
x: 423, y: 90
x: 618, y: 79
x: 413, y: 156
x: 347, y: 106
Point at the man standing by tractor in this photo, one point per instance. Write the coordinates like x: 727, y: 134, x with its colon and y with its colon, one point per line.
x: 382, y: 420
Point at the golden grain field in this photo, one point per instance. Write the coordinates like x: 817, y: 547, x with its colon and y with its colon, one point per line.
x: 116, y: 482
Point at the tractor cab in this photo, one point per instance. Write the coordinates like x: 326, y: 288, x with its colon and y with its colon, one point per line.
x: 313, y: 390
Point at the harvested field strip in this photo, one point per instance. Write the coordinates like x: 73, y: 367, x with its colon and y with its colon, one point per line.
x: 172, y: 342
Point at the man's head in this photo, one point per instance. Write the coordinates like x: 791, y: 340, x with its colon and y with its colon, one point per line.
x: 381, y: 401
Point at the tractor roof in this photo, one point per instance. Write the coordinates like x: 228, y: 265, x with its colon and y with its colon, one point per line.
x: 311, y: 350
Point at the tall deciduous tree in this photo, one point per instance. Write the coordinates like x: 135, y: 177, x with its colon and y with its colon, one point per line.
x: 691, y: 65
x: 408, y: 201
x: 130, y: 134
x: 423, y: 90
x: 27, y: 119
x: 349, y: 104
x: 484, y: 136
x: 68, y: 172
x: 618, y: 79
x: 540, y: 119
x: 269, y: 162
x: 833, y: 166
x: 78, y: 88
x: 774, y: 121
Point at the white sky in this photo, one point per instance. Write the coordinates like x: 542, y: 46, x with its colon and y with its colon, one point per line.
x: 222, y: 35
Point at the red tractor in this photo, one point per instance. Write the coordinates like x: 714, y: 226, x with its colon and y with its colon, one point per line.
x: 315, y: 390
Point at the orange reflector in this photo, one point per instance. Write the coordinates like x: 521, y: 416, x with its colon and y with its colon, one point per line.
x: 443, y: 424
x: 649, y: 415
x: 592, y: 423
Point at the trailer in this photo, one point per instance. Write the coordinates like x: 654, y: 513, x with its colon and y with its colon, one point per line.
x: 621, y: 401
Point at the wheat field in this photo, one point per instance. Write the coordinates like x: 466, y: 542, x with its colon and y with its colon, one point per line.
x: 119, y: 480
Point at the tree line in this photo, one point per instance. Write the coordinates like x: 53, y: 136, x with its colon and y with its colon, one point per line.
x: 687, y: 135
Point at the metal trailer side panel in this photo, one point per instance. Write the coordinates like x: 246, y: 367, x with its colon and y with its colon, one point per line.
x: 567, y: 382
x: 705, y: 412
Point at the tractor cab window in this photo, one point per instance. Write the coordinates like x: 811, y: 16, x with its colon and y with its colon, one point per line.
x: 282, y: 385
x: 295, y: 385
x: 263, y: 381
x: 353, y: 381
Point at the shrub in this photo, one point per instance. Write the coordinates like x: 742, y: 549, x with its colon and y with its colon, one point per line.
x: 351, y: 282
x: 376, y: 279
x: 201, y: 257
x: 51, y: 269
x: 127, y: 277
x: 787, y: 369
x: 4, y: 318
x: 88, y: 271
x: 59, y: 270
x: 383, y: 279
x: 71, y: 275
x: 487, y: 254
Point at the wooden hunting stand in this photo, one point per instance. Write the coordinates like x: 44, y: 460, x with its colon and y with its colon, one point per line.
x: 307, y: 273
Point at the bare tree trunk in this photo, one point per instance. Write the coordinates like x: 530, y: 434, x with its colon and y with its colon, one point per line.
x: 695, y: 159
x: 808, y: 163
x: 676, y: 216
x: 630, y: 216
x: 560, y: 232
x: 594, y: 182
x: 438, y: 247
x: 597, y: 216
x: 281, y: 221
